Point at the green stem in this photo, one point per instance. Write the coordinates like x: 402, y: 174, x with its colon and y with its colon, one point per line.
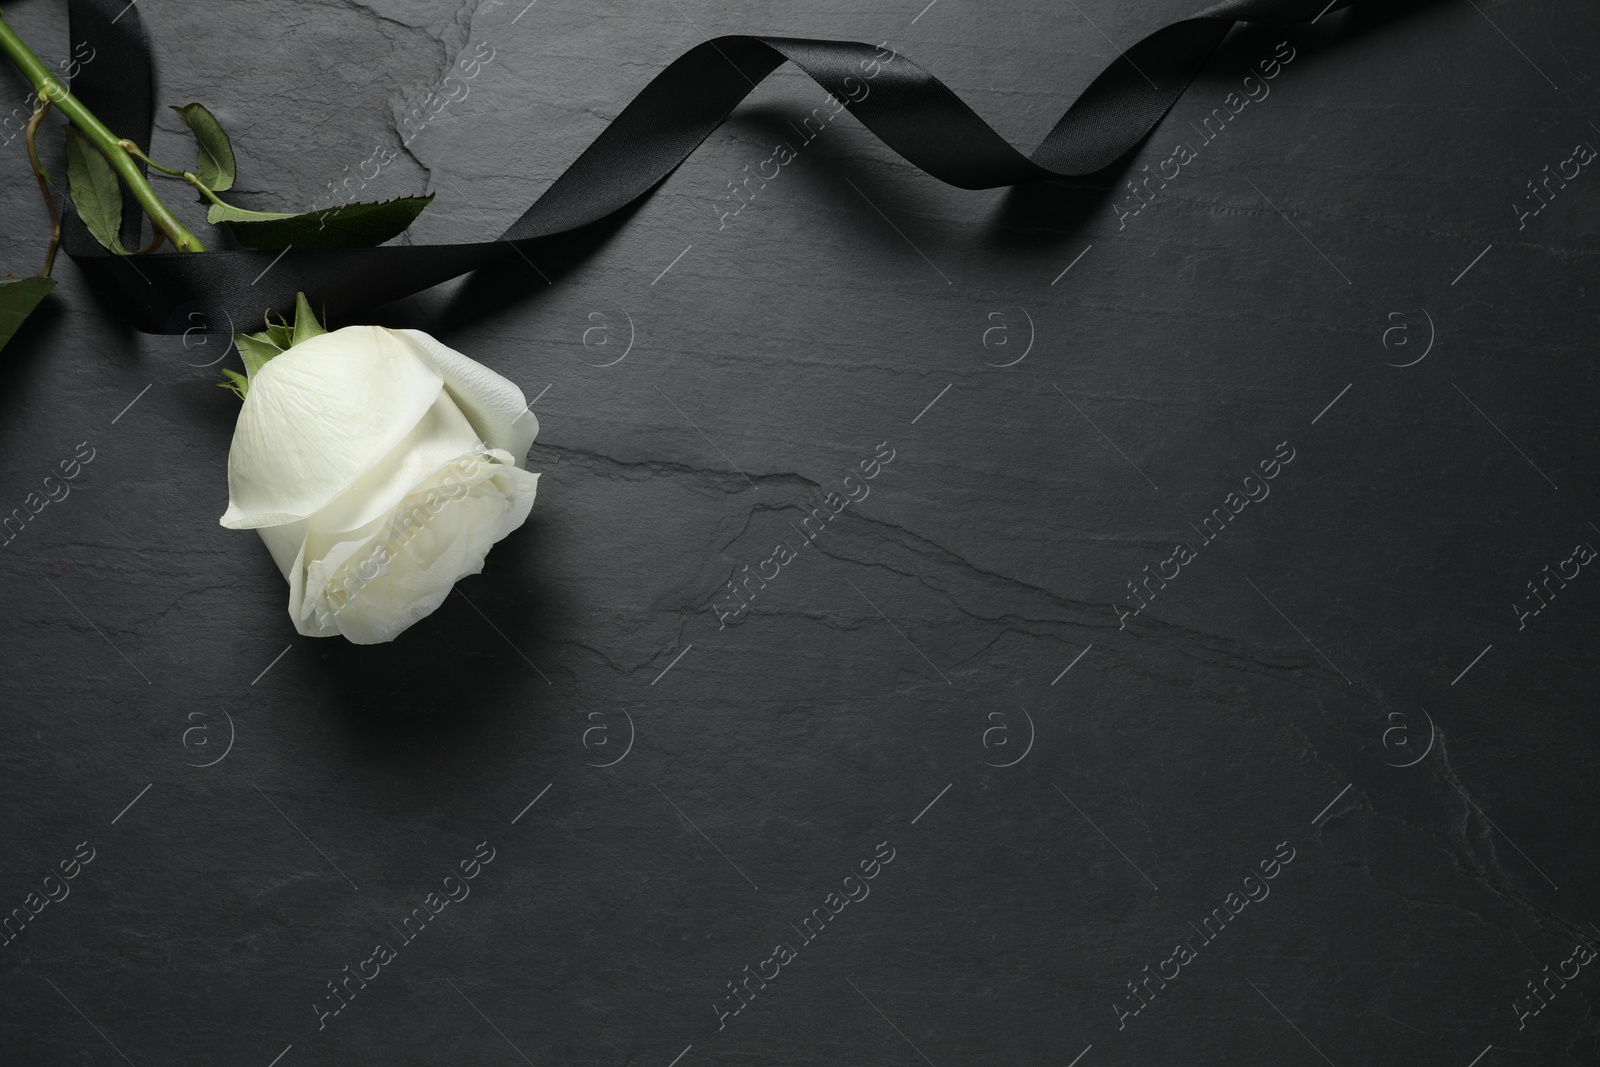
x: 207, y: 193
x: 134, y: 151
x: 39, y: 111
x: 48, y: 87
x: 187, y: 175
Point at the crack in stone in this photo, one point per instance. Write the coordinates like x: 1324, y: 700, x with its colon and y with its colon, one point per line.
x: 1491, y: 873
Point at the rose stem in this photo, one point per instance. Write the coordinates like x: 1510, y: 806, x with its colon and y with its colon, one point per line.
x: 39, y: 111
x: 48, y: 87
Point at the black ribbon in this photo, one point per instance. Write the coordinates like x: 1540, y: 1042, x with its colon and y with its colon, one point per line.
x: 907, y: 108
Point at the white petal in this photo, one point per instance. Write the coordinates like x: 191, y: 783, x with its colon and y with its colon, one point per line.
x: 319, y: 417
x: 371, y: 583
x: 284, y: 543
x: 441, y: 435
x: 497, y: 409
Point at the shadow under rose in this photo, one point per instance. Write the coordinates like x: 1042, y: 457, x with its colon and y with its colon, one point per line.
x: 461, y: 675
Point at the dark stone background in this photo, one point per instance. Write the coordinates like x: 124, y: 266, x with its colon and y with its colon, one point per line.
x: 1265, y: 697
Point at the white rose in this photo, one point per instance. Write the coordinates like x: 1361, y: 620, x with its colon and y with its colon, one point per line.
x: 379, y: 467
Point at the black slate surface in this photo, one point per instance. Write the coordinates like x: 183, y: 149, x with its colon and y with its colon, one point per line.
x: 1337, y: 688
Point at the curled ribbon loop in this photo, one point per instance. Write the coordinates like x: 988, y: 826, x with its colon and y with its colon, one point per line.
x: 908, y: 108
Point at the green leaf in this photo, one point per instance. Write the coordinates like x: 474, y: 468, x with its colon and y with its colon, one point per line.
x: 346, y: 226
x: 279, y: 335
x: 18, y: 298
x: 95, y: 190
x: 255, y: 350
x: 215, y: 168
x: 306, y: 325
x: 237, y: 384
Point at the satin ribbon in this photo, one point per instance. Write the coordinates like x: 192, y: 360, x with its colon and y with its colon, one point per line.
x: 909, y: 109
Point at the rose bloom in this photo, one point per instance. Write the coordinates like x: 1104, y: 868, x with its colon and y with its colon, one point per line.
x: 379, y: 467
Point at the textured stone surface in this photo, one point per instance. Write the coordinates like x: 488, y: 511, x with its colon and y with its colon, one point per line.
x: 1265, y: 696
